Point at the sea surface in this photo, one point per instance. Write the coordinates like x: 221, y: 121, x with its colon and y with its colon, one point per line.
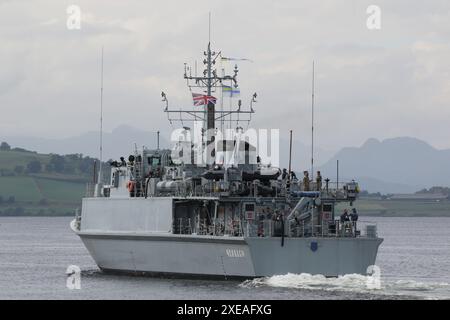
x: 414, y: 261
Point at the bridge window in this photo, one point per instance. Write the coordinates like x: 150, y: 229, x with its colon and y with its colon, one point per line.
x: 154, y: 161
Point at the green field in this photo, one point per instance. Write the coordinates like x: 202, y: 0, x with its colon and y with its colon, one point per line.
x: 39, y: 196
x: 42, y: 184
x: 10, y: 159
x: 61, y: 191
x: 30, y: 189
x: 22, y: 188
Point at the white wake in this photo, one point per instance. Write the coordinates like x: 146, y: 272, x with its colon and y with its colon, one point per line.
x: 352, y: 283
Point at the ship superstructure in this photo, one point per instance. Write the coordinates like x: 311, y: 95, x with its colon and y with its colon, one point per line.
x: 211, y: 207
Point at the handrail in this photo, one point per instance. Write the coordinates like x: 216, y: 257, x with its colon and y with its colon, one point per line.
x: 267, y: 227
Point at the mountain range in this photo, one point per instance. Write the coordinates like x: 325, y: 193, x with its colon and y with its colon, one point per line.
x: 397, y: 165
x: 394, y: 165
x: 121, y: 141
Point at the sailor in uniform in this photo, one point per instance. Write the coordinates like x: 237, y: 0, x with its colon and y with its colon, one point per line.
x: 305, y: 181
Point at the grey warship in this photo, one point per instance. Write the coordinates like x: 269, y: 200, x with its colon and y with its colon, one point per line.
x: 162, y: 213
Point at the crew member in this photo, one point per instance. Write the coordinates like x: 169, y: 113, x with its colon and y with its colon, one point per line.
x: 284, y: 175
x: 318, y: 181
x: 344, y: 216
x: 305, y: 181
x: 354, y: 215
x: 293, y: 175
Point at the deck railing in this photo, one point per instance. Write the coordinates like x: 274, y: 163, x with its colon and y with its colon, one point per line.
x: 272, y: 228
x: 90, y: 189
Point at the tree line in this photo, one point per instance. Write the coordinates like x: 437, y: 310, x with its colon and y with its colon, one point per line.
x: 70, y: 164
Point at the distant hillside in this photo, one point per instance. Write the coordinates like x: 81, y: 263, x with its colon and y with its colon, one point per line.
x: 398, y: 165
x: 42, y: 184
x: 120, y: 142
x: 301, y: 155
x: 393, y: 165
x: 376, y: 185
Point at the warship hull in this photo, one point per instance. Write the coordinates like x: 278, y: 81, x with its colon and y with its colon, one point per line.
x: 212, y: 208
x: 229, y: 257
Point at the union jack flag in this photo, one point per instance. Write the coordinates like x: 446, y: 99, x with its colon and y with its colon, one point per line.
x: 201, y: 99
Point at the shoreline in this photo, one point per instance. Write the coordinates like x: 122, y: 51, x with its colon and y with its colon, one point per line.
x: 381, y: 215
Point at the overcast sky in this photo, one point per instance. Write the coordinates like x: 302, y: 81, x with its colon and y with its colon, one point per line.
x: 369, y: 83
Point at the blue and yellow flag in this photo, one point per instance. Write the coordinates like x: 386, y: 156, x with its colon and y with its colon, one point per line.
x: 229, y: 91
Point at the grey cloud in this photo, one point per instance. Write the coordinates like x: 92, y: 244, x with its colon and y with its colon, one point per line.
x: 369, y: 83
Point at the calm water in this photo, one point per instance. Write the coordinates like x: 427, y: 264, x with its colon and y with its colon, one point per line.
x: 35, y: 252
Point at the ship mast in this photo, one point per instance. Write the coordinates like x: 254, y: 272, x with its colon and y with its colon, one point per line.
x: 208, y: 82
x: 100, y: 172
x: 312, y: 125
x: 210, y: 108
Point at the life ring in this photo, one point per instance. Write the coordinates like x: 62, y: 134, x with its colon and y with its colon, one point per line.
x: 130, y: 186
